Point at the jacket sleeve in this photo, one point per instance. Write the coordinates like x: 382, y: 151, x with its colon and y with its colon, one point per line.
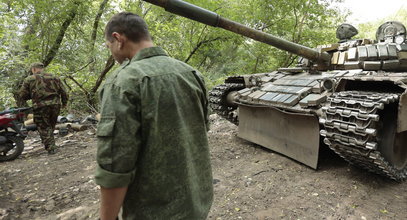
x: 24, y: 92
x: 206, y: 107
x: 204, y: 98
x: 119, y: 137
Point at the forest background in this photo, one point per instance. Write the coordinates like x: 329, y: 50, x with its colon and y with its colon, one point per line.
x: 67, y: 36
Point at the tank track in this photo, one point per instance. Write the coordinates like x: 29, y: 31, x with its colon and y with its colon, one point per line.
x: 217, y: 101
x: 352, y: 122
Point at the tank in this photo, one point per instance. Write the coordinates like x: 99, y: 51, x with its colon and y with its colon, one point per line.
x: 349, y: 96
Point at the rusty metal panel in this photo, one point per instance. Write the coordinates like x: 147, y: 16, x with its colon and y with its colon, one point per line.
x: 402, y: 113
x: 293, y: 135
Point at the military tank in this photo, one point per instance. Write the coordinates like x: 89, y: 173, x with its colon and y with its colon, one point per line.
x: 349, y: 96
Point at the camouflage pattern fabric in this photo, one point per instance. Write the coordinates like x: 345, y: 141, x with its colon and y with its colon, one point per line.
x: 46, y: 118
x: 152, y: 138
x: 44, y: 89
x: 47, y: 93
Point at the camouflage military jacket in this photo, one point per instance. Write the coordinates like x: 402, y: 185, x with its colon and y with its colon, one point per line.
x: 44, y: 89
x: 152, y: 138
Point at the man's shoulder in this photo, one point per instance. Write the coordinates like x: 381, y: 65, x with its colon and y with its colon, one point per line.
x: 49, y: 75
x: 160, y: 64
x: 133, y: 71
x: 156, y: 66
x: 29, y: 78
x: 127, y: 77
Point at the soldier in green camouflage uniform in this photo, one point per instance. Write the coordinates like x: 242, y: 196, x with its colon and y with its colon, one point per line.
x: 47, y: 93
x: 153, y: 155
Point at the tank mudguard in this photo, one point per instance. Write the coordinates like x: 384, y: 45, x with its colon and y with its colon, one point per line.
x: 291, y: 134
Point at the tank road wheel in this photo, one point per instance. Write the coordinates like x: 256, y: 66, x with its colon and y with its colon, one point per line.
x: 220, y: 99
x: 12, y: 149
x: 361, y: 128
x: 392, y: 145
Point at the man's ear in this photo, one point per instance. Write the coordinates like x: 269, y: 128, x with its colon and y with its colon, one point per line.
x: 119, y: 38
x: 116, y: 36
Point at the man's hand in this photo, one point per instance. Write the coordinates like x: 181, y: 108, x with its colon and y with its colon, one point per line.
x: 111, y: 200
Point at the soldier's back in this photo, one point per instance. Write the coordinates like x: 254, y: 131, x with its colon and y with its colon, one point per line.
x: 44, y: 89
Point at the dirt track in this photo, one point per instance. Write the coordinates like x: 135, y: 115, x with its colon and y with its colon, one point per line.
x: 250, y: 183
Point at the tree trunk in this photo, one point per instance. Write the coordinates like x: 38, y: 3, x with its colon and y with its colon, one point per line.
x: 94, y: 33
x: 198, y: 46
x: 90, y: 96
x: 55, y: 47
x: 108, y: 67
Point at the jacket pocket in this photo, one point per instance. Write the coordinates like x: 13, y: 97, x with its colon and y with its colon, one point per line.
x: 106, y: 126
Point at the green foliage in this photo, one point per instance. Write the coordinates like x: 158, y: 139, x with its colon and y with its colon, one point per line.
x: 30, y: 28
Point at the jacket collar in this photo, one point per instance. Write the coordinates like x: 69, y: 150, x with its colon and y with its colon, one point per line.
x: 143, y: 54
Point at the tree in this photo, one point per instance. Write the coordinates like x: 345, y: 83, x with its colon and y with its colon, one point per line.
x: 68, y: 37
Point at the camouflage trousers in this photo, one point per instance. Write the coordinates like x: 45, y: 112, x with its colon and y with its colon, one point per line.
x: 46, y: 118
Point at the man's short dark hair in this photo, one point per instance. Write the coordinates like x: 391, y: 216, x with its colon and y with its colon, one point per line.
x: 129, y: 24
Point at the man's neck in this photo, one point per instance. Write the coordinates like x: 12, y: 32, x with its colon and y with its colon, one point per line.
x: 139, y: 46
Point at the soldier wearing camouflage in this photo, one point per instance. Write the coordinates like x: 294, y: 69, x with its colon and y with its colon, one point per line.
x: 153, y: 155
x: 47, y: 94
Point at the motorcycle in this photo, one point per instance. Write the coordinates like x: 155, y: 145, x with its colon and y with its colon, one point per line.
x: 12, y: 133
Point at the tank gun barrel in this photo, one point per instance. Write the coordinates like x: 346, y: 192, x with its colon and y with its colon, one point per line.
x: 202, y: 15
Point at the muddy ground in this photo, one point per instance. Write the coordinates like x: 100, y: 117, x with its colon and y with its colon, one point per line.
x: 250, y: 183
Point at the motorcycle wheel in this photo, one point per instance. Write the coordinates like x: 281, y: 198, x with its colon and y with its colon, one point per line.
x: 15, y: 151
